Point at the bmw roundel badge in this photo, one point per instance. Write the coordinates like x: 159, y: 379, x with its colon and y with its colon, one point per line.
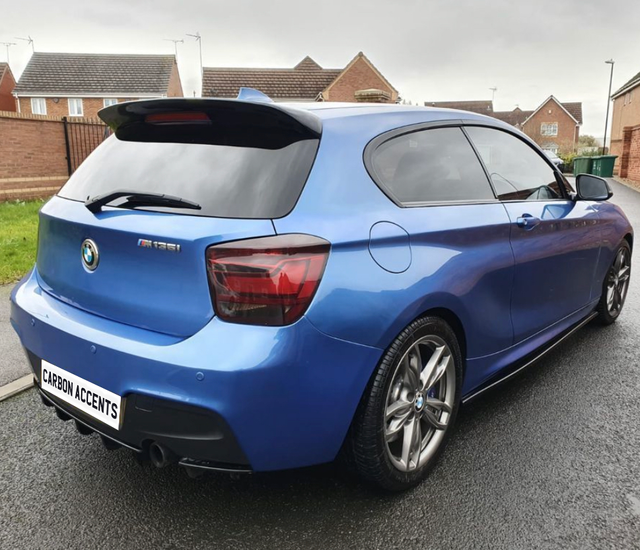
x: 90, y: 255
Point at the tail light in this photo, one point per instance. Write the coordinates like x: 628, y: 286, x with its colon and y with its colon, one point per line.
x: 266, y: 281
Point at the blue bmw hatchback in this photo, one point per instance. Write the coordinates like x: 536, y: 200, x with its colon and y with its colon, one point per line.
x: 248, y: 286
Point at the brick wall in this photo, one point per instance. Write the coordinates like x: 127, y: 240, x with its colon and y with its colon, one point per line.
x: 630, y: 155
x: 615, y: 148
x: 32, y: 156
x: 626, y: 112
x: 551, y: 112
x: 359, y: 75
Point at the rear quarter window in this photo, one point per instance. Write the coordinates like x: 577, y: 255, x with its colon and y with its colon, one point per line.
x: 431, y: 165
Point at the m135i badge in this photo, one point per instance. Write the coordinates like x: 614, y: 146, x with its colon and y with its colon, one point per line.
x: 170, y: 247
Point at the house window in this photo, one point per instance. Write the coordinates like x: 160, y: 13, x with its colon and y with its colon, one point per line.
x: 549, y: 129
x: 38, y: 106
x: 108, y: 101
x: 550, y: 147
x: 75, y: 106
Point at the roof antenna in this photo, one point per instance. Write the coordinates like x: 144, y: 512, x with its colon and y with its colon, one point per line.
x: 175, y: 44
x: 250, y: 94
x: 29, y: 40
x: 8, y: 45
x: 493, y: 93
x: 198, y: 38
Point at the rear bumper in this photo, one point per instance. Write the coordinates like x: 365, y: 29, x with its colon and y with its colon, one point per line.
x: 270, y: 397
x: 193, y: 434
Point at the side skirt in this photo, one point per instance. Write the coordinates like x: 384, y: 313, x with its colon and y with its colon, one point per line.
x: 519, y: 367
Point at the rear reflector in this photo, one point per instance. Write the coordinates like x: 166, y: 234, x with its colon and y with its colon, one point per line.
x: 179, y: 117
x: 266, y: 281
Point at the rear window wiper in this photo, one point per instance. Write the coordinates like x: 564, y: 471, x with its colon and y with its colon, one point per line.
x: 136, y: 198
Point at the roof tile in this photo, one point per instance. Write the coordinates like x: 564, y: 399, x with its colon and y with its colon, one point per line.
x: 305, y: 81
x: 72, y: 74
x: 632, y: 83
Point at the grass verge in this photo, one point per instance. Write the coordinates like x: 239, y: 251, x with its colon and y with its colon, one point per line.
x: 18, y: 238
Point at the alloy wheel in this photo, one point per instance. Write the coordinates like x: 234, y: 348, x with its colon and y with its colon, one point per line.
x: 618, y: 282
x: 419, y: 403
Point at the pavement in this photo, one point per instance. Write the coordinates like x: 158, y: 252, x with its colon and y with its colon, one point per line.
x: 13, y: 363
x: 549, y: 460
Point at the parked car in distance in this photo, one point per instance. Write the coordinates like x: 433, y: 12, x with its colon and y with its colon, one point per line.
x: 555, y: 159
x: 247, y: 286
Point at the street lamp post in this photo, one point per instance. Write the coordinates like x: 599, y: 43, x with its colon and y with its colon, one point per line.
x: 606, y: 120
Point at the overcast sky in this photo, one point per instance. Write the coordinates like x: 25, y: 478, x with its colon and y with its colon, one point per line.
x: 429, y: 50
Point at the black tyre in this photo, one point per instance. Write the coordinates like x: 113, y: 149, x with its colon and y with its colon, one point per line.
x: 406, y: 415
x: 615, y: 286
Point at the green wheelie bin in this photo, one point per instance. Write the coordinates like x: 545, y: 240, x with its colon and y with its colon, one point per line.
x: 603, y: 165
x: 582, y: 165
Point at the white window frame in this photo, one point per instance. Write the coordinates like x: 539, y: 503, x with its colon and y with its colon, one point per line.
x: 108, y: 101
x: 549, y: 129
x: 73, y: 100
x: 40, y: 102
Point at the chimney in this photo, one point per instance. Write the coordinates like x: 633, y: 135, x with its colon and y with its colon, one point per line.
x: 372, y: 95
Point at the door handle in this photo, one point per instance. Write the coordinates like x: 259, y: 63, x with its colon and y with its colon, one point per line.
x: 527, y: 221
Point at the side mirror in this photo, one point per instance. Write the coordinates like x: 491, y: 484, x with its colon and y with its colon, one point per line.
x: 592, y: 188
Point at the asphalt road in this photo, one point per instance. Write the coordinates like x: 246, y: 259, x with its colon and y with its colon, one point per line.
x: 551, y: 460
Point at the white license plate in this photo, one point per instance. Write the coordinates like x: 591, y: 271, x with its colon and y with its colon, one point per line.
x: 93, y: 400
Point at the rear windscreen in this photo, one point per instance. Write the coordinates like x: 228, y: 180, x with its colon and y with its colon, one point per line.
x: 226, y: 181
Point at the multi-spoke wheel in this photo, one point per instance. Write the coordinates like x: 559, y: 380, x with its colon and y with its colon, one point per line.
x: 616, y: 285
x: 419, y: 404
x: 403, y: 421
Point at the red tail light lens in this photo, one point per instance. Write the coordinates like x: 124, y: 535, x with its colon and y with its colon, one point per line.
x: 266, y: 281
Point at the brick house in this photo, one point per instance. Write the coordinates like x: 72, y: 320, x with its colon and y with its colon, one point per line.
x: 626, y: 112
x: 360, y: 80
x: 79, y: 85
x: 7, y: 84
x: 553, y: 125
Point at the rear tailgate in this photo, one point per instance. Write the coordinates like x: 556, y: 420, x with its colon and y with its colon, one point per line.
x: 149, y: 287
x: 242, y: 163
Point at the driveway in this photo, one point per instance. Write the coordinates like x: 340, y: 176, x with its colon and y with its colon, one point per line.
x: 550, y: 460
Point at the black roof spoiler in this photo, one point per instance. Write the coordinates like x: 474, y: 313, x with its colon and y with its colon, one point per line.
x: 211, y: 121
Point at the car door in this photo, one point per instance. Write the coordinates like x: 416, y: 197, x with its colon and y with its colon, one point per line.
x: 461, y: 257
x: 555, y: 240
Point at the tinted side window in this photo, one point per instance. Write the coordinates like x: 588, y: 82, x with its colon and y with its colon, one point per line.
x: 517, y: 171
x: 430, y: 166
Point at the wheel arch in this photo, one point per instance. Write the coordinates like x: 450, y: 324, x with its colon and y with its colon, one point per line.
x: 456, y: 325
x: 449, y: 317
x: 629, y: 238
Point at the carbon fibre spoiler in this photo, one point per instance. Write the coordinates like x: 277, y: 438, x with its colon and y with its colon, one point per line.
x: 211, y: 121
